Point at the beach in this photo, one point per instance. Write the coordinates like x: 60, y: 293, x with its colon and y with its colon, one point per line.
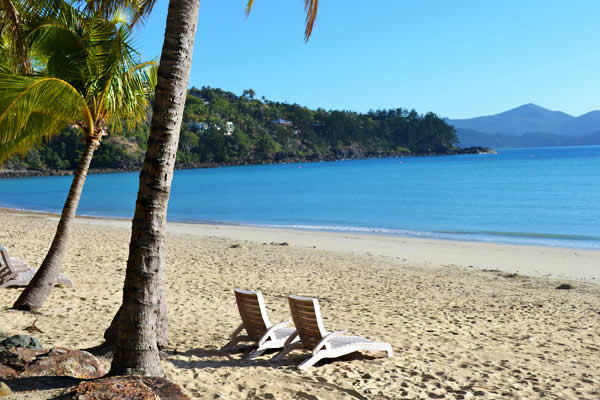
x: 466, y: 320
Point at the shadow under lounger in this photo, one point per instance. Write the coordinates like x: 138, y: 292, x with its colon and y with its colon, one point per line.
x: 306, y: 314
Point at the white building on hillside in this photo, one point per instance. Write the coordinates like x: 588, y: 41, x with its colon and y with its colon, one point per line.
x: 228, y: 128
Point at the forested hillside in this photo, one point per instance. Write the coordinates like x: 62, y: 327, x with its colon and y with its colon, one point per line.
x: 220, y: 128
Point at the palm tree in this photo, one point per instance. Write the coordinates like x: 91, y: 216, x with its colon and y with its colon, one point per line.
x: 16, y: 15
x: 89, y: 78
x: 144, y: 298
x: 14, y: 47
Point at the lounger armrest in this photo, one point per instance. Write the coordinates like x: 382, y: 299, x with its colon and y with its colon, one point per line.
x: 290, y: 339
x: 269, y: 331
x: 326, y: 339
x: 237, y: 331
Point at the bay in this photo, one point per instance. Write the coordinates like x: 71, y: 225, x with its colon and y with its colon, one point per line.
x: 537, y: 196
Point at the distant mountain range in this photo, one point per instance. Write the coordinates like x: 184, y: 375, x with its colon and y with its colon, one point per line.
x: 527, y: 126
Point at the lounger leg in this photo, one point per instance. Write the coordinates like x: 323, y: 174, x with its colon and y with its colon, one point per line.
x: 390, y: 352
x: 286, y: 350
x: 310, y: 362
x: 255, y: 353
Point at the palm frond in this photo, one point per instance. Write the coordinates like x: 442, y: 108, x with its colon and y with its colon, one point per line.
x: 31, y: 135
x: 129, y: 96
x: 136, y: 10
x: 249, y: 7
x: 62, y: 50
x: 109, y: 54
x: 13, y: 20
x: 89, y: 74
x: 33, y: 108
x: 310, y: 6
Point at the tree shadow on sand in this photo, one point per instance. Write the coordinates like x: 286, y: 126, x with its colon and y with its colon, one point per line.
x: 216, y: 358
x: 40, y: 383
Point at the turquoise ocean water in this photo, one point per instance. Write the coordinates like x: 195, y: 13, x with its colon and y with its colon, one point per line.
x: 541, y: 196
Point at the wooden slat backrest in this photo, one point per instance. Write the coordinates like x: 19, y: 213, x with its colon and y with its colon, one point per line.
x: 306, y: 314
x: 252, y: 309
x: 6, y: 271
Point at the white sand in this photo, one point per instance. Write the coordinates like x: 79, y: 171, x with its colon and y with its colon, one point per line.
x: 458, y: 332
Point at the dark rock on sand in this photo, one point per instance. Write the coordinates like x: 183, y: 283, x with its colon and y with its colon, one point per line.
x: 25, y: 341
x: 129, y: 388
x: 565, y: 286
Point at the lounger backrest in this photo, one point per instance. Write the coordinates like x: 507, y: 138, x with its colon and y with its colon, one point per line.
x: 6, y: 271
x: 306, y: 314
x: 253, y: 312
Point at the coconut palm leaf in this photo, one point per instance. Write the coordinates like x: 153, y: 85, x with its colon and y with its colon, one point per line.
x: 97, y: 58
x: 135, y: 10
x: 310, y: 6
x: 110, y: 54
x: 12, y: 23
x: 34, y: 108
x: 62, y: 51
x: 31, y: 136
x: 127, y: 101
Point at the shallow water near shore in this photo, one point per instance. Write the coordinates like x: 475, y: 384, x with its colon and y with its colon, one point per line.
x: 537, y: 196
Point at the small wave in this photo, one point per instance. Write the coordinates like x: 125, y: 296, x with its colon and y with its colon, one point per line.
x: 518, y: 238
x: 342, y: 228
x: 533, y: 235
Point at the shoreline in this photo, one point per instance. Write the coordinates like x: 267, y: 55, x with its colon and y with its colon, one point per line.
x: 32, y: 173
x: 483, y: 237
x: 535, y: 261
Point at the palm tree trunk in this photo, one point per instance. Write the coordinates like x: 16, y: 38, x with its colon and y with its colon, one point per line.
x: 136, y: 349
x: 38, y: 290
x: 162, y: 324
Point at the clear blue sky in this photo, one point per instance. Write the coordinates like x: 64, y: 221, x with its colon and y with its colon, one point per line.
x: 458, y: 58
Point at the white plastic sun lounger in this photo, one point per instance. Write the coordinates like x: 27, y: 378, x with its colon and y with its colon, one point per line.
x: 313, y: 336
x: 16, y: 273
x: 255, y: 321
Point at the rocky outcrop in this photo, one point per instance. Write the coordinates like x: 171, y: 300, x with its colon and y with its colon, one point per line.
x: 7, y: 372
x: 18, y: 358
x: 476, y: 150
x: 60, y: 361
x: 23, y: 356
x: 129, y: 388
x: 24, y: 173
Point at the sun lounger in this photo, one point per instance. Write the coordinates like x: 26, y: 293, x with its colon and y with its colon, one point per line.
x: 313, y: 336
x: 19, y: 265
x: 15, y: 273
x: 258, y: 327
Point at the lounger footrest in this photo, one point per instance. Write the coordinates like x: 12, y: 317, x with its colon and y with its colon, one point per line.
x: 341, y: 341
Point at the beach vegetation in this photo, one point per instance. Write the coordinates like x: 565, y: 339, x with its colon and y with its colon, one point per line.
x: 311, y: 135
x: 86, y: 78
